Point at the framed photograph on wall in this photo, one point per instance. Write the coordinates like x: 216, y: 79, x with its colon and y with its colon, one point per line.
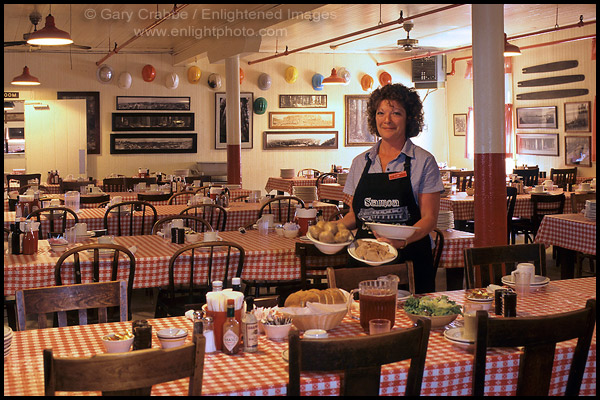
x: 150, y: 143
x: 156, y: 103
x: 460, y: 124
x: 537, y: 144
x: 246, y: 100
x: 300, y: 140
x: 129, y: 122
x: 301, y: 120
x: 577, y: 116
x: 577, y: 150
x: 357, y: 128
x: 92, y: 105
x: 302, y: 101
x: 537, y: 118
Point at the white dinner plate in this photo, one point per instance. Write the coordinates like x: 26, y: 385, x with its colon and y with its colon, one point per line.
x: 391, y: 249
x: 455, y: 335
x: 87, y: 234
x: 403, y: 295
x: 538, y: 280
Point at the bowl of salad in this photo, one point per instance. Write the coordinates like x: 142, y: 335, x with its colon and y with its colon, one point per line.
x: 440, y: 310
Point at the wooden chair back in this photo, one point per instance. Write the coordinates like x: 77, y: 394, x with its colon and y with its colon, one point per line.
x: 198, y: 224
x: 90, y: 253
x: 41, y: 188
x: 349, y: 278
x: 204, y: 190
x: 530, y: 175
x: 153, y: 196
x: 180, y: 198
x: 283, y: 208
x: 214, y: 214
x: 360, y: 358
x: 22, y: 178
x: 242, y: 197
x: 322, y: 177
x: 60, y: 299
x: 578, y: 201
x: 130, y: 182
x: 66, y: 186
x: 563, y: 176
x: 266, y: 302
x: 486, y: 265
x: 193, y: 290
x: 94, y: 199
x: 464, y: 179
x: 113, y: 184
x: 538, y: 336
x: 124, y: 211
x: 126, y: 374
x: 57, y: 218
x: 438, y: 240
x: 306, y: 172
x: 544, y: 204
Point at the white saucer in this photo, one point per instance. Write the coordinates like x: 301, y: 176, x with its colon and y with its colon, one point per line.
x: 538, y: 280
x: 455, y: 335
x: 403, y: 295
x: 87, y: 234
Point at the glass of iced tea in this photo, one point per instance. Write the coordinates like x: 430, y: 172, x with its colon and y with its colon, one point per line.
x: 377, y: 301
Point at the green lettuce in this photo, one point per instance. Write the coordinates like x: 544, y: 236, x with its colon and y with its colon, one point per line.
x: 428, y: 306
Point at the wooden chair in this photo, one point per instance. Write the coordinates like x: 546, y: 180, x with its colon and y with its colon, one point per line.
x: 113, y: 184
x: 349, y: 278
x: 214, y: 214
x: 306, y: 172
x: 66, y: 186
x: 543, y: 204
x: 93, y: 274
x: 126, y: 374
x: 242, y: 197
x: 133, y: 205
x: 94, y: 199
x: 283, y: 208
x: 130, y: 182
x: 180, y: 198
x: 153, y: 196
x: 172, y: 300
x: 438, y: 240
x: 485, y: 265
x: 360, y: 358
x: 23, y: 178
x: 81, y: 297
x: 266, y: 302
x: 563, y: 176
x: 530, y: 175
x: 204, y: 190
x: 538, y: 336
x: 578, y: 201
x: 57, y: 218
x: 464, y: 179
x: 198, y: 224
x: 41, y: 189
x: 339, y: 214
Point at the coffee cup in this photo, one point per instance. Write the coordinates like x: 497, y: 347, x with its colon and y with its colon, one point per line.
x: 177, y: 223
x: 585, y: 186
x: 526, y: 267
x: 211, y: 236
x: 80, y: 228
x: 548, y: 183
x: 522, y: 280
x: 537, y: 189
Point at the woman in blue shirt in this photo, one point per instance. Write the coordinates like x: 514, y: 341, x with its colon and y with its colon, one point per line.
x: 396, y: 181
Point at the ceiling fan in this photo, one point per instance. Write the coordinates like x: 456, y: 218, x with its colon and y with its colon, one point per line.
x: 409, y: 44
x: 35, y: 17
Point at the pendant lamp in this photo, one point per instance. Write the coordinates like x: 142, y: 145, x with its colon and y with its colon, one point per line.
x: 333, y: 79
x: 510, y: 50
x: 25, y: 79
x: 50, y: 35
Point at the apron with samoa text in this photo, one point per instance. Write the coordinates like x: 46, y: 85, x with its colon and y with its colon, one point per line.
x: 388, y: 198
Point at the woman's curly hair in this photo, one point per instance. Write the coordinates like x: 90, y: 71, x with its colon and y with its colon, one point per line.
x: 407, y: 97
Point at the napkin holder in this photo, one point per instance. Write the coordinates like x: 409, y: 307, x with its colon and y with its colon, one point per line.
x: 219, y: 318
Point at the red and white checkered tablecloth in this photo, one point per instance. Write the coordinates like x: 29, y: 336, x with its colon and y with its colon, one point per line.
x: 455, y: 242
x: 463, y: 206
x: 448, y: 367
x: 287, y: 185
x: 570, y: 231
x: 333, y: 191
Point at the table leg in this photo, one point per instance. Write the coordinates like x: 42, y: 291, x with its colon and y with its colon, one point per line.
x: 454, y: 278
x: 565, y: 258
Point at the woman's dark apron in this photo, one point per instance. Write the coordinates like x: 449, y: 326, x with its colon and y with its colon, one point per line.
x: 388, y: 198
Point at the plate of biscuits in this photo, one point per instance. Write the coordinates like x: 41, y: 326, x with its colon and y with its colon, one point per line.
x: 372, y: 252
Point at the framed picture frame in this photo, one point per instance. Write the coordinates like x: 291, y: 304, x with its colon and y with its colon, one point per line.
x: 92, y: 106
x: 301, y: 119
x: 152, y: 143
x: 302, y: 101
x: 14, y: 117
x: 130, y: 122
x: 246, y: 100
x: 578, y: 150
x: 460, y: 124
x: 154, y: 103
x: 537, y: 144
x: 301, y: 140
x: 577, y: 116
x: 356, y: 126
x: 537, y: 117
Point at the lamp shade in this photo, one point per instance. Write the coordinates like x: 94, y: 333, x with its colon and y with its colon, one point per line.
x: 334, y: 79
x: 510, y: 50
x: 25, y: 79
x: 50, y: 35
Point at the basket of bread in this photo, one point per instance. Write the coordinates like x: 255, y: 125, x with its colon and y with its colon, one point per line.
x: 316, y: 309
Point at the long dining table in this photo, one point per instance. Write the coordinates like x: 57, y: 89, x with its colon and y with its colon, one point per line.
x: 448, y: 366
x: 286, y: 185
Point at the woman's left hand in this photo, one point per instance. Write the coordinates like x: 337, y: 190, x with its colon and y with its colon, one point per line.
x: 396, y: 243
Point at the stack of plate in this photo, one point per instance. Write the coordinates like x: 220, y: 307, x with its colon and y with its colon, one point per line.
x: 287, y: 173
x: 447, y: 189
x: 8, y: 335
x: 590, y: 209
x: 445, y: 220
x: 306, y: 193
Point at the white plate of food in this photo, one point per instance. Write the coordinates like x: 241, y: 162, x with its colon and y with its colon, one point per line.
x: 480, y: 296
x: 393, y: 231
x: 372, y: 251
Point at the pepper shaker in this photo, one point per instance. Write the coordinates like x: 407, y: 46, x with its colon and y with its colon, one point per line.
x: 510, y: 304
x: 142, y: 332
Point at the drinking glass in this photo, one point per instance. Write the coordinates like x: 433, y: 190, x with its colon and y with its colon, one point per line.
x: 522, y: 282
x: 379, y: 325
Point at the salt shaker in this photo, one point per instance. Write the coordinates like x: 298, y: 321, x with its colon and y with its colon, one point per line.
x: 209, y: 335
x: 198, y: 323
x: 510, y: 304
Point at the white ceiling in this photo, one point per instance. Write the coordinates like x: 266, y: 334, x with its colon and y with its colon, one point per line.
x: 290, y: 25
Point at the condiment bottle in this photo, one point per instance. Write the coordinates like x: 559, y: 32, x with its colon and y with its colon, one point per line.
x: 15, y: 239
x: 250, y: 327
x: 231, y: 331
x: 198, y: 323
x: 509, y: 307
x: 236, y: 284
x: 142, y: 332
x: 28, y: 239
x: 209, y: 335
x: 217, y: 286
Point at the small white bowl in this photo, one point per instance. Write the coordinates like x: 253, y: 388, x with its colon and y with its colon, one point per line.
x: 171, y: 337
x: 316, y: 334
x: 279, y: 230
x: 277, y: 333
x: 290, y: 233
x: 117, y: 346
x: 192, y: 237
